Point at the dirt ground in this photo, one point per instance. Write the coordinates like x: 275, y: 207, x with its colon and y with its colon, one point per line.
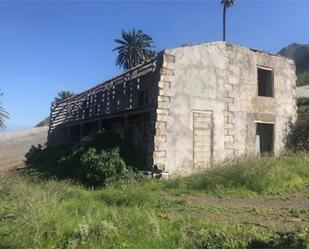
x: 281, y: 202
x: 280, y: 214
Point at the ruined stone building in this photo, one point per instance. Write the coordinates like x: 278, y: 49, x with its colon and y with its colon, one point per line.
x: 190, y: 107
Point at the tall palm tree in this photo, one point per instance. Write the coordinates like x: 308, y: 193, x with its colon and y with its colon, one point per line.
x: 62, y: 95
x: 3, y: 116
x: 135, y: 48
x: 226, y: 4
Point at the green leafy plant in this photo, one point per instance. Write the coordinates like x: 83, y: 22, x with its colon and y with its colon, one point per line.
x: 300, y: 132
x: 90, y: 161
x: 104, y: 167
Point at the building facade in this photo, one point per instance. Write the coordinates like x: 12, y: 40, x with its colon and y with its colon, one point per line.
x: 190, y: 107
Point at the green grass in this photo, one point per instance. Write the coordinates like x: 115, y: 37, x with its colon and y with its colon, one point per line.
x: 268, y: 176
x: 41, y: 214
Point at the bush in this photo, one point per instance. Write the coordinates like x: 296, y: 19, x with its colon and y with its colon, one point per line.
x: 74, y: 162
x: 300, y: 132
x: 33, y: 156
x: 104, y: 167
x: 303, y: 101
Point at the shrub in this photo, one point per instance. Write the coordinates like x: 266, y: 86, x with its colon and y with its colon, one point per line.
x: 104, y: 167
x: 38, y: 155
x: 303, y: 101
x: 74, y: 162
x: 300, y: 132
x: 34, y: 155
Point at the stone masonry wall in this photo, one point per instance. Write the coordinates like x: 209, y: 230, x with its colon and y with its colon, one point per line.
x: 229, y: 115
x: 162, y: 112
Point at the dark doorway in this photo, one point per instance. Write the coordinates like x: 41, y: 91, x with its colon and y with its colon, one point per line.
x: 264, y: 138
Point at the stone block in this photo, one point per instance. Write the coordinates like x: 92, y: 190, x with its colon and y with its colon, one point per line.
x: 229, y: 126
x: 162, y: 117
x: 229, y: 153
x: 169, y: 58
x: 229, y: 138
x: 164, y: 84
x: 164, y: 98
x: 160, y: 125
x: 163, y: 111
x: 160, y: 139
x: 202, y: 132
x: 163, y: 104
x: 161, y: 132
x: 167, y: 71
x: 159, y: 154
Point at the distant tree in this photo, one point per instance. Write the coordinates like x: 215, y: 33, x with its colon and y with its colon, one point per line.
x: 3, y: 116
x: 226, y: 4
x: 62, y: 95
x: 135, y: 48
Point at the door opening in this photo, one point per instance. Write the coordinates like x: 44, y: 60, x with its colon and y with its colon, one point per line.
x: 264, y: 138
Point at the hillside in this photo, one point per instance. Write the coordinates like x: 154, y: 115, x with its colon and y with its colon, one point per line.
x: 44, y: 122
x: 300, y: 54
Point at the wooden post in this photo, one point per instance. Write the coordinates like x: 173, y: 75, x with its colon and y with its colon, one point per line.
x: 125, y: 128
x: 81, y: 131
x: 68, y: 137
x: 100, y: 125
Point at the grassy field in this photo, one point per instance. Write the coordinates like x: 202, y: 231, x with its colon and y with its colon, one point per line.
x: 252, y: 204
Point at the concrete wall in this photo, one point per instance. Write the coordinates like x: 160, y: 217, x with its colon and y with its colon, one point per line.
x: 220, y: 79
x: 248, y: 108
x: 196, y: 84
x: 14, y: 146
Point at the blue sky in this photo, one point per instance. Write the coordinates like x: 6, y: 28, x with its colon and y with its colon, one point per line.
x: 48, y: 46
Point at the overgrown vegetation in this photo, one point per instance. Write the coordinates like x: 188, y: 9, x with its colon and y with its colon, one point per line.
x: 177, y: 213
x: 300, y: 132
x: 38, y: 211
x: 96, y: 160
x: 104, y: 167
x: 303, y: 78
x: 267, y: 175
x: 302, y: 102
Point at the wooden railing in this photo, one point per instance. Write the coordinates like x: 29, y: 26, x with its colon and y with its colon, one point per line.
x: 130, y: 90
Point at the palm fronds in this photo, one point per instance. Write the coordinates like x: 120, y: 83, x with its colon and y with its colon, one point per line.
x: 135, y: 47
x: 3, y: 116
x: 62, y: 95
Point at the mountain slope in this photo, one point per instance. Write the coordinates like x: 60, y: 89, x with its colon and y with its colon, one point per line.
x: 44, y: 122
x: 300, y: 54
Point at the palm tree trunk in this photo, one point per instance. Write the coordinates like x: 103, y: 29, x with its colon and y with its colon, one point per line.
x: 224, y: 21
